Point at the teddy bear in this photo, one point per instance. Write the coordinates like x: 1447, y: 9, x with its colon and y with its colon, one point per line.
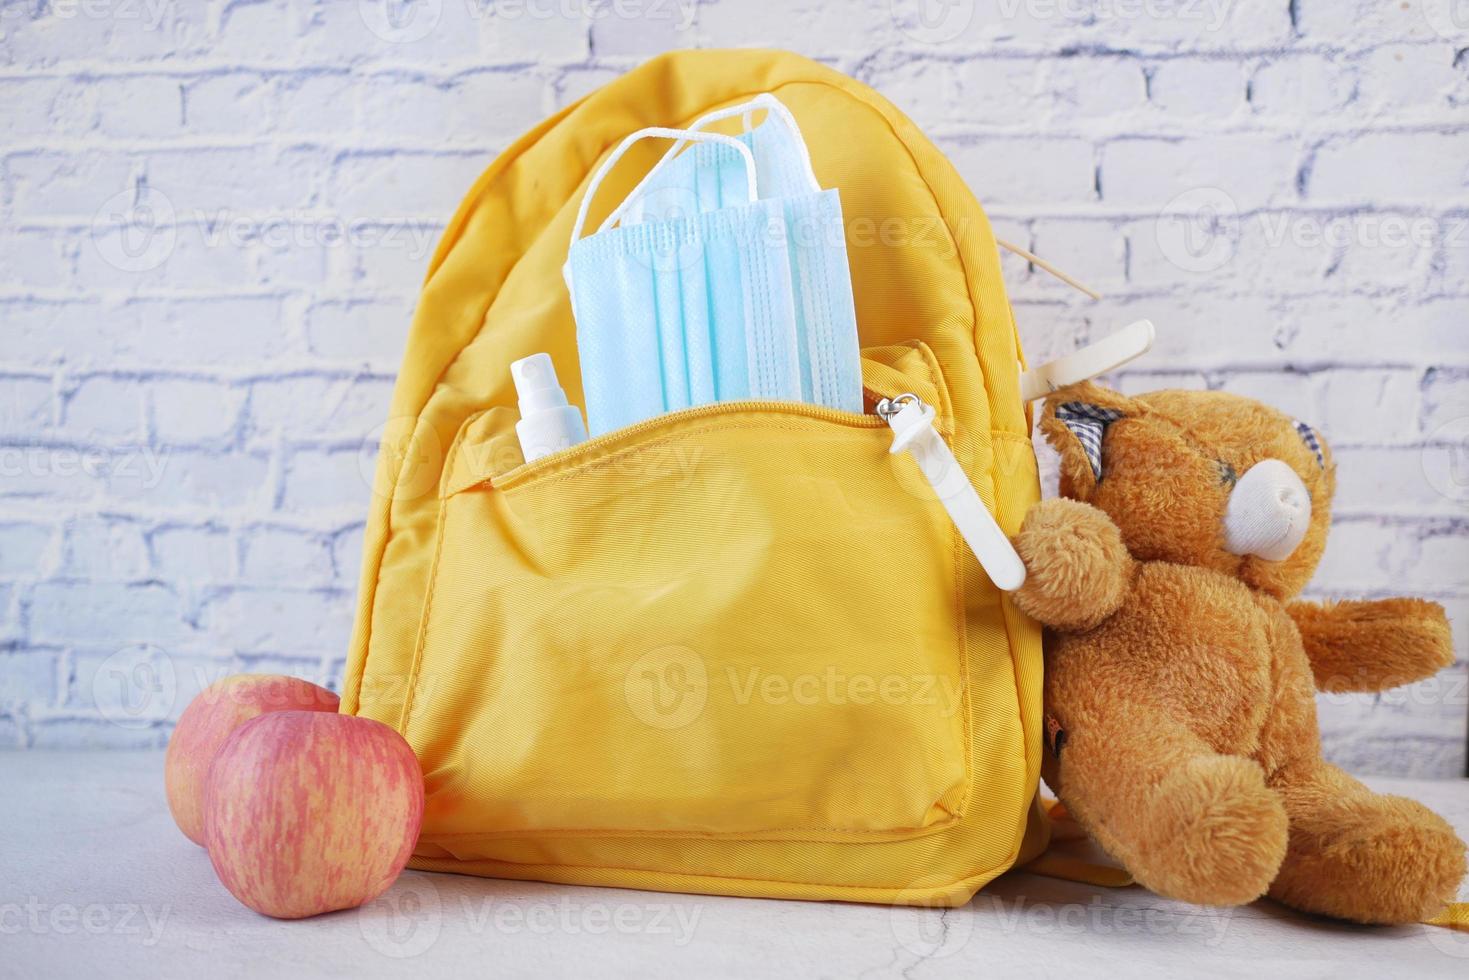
x: 1181, y: 670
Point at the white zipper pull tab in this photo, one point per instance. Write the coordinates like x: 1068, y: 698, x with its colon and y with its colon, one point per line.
x: 914, y: 433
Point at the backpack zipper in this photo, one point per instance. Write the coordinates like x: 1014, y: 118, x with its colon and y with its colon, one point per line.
x: 912, y: 420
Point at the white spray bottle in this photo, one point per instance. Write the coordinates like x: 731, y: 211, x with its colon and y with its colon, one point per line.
x: 547, y: 423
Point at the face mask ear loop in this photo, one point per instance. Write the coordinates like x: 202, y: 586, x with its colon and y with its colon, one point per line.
x: 764, y: 101
x: 772, y: 105
x: 627, y: 144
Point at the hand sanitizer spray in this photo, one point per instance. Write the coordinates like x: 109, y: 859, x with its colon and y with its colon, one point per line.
x: 547, y: 423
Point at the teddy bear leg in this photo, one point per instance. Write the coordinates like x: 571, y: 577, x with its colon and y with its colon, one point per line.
x: 1188, y: 823
x: 1359, y: 855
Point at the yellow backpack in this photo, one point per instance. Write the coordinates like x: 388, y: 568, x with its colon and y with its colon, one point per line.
x: 738, y: 649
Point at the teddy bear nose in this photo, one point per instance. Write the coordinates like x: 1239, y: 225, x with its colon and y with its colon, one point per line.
x: 1269, y: 512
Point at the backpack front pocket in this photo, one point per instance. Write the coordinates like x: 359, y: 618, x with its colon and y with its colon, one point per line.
x: 742, y: 620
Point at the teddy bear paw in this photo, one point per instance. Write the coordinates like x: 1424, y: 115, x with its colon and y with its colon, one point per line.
x: 1386, y: 860
x: 1217, y: 834
x: 1077, y: 568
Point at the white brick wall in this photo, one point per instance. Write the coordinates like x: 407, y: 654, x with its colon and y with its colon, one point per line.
x: 214, y: 216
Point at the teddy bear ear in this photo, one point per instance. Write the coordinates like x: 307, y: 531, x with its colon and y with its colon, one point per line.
x: 1311, y: 439
x: 1075, y: 423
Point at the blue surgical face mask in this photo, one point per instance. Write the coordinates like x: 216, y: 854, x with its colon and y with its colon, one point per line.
x: 688, y: 309
x: 708, y: 175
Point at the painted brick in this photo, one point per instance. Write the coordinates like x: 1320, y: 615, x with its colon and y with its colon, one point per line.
x: 182, y: 332
x: 1321, y: 328
x: 74, y: 30
x: 51, y: 184
x: 283, y: 556
x: 343, y: 33
x: 49, y: 472
x: 1026, y: 171
x: 315, y: 104
x: 1373, y: 481
x: 38, y: 107
x: 192, y: 555
x: 1422, y: 167
x: 364, y: 330
x: 214, y: 182
x: 25, y: 550
x: 37, y: 258
x: 26, y: 406
x: 1196, y: 88
x: 1091, y: 251
x: 1301, y: 85
x: 576, y: 82
x: 1012, y: 92
x: 230, y: 103
x: 392, y: 255
x: 103, y: 549
x: 641, y: 29
x: 492, y: 107
x: 106, y: 408
x: 267, y: 31
x: 1292, y: 394
x: 28, y: 675
x: 1360, y: 23
x: 830, y: 28
x: 511, y: 28
x: 13, y: 623
x: 1445, y: 400
x: 160, y: 478
x: 1364, y: 555
x: 1253, y: 170
x: 338, y: 481
x: 133, y: 254
x: 149, y: 106
x: 188, y: 412
x: 384, y: 183
x: 347, y: 555
x: 100, y: 612
x: 1370, y: 407
x: 302, y: 405
x: 280, y: 620
x: 1412, y: 77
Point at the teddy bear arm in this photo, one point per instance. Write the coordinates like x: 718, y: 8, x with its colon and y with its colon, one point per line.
x: 1373, y: 645
x: 1078, y: 571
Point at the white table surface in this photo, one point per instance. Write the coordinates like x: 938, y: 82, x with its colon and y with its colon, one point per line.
x: 95, y: 881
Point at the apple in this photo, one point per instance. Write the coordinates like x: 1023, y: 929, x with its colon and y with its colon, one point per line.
x: 210, y: 718
x: 307, y: 812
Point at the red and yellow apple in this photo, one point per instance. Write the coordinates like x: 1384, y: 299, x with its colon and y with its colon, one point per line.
x: 307, y: 812
x: 210, y: 719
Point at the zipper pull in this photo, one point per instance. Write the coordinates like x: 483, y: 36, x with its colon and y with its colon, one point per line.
x: 913, y: 432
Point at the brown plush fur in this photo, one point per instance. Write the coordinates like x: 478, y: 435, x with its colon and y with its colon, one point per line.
x: 1184, y: 678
